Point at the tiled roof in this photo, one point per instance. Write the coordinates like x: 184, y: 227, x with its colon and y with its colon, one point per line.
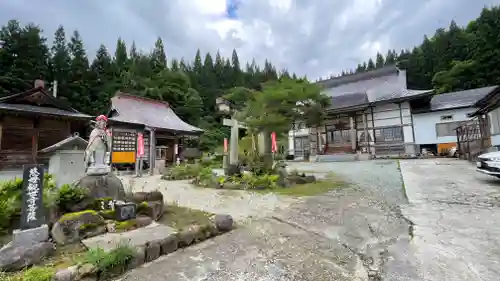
x: 336, y: 81
x: 68, y: 141
x: 42, y: 110
x: 459, y: 99
x: 349, y: 100
x: 51, y: 105
x: 152, y: 113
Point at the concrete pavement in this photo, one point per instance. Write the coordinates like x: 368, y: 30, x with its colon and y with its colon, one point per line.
x: 456, y: 212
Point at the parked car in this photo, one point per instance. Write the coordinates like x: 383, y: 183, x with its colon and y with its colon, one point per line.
x: 489, y: 163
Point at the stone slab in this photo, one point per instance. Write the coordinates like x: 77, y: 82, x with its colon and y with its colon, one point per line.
x: 137, y: 237
x: 30, y: 236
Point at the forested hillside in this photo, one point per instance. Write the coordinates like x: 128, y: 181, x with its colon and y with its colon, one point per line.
x: 453, y: 59
x: 456, y: 58
x: 190, y: 86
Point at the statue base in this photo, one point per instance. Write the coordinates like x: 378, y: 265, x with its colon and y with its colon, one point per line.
x: 106, y: 185
x: 98, y: 170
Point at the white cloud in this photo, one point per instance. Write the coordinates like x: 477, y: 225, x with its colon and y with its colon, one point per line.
x: 313, y: 37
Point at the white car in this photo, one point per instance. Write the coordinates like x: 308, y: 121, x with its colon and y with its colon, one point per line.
x: 489, y: 163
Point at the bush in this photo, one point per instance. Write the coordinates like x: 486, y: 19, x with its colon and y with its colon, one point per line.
x: 70, y: 195
x: 181, y: 172
x: 11, y: 195
x: 110, y: 263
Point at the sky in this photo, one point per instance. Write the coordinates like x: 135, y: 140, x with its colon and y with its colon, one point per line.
x: 316, y: 38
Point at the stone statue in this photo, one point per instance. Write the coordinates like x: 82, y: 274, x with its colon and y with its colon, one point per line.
x: 98, y: 150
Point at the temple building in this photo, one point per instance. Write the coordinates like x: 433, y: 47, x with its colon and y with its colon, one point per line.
x: 371, y: 112
x: 131, y: 115
x: 33, y: 120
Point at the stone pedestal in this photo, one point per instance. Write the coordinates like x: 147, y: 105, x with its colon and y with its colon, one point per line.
x: 98, y: 170
x: 30, y: 236
x: 103, y: 186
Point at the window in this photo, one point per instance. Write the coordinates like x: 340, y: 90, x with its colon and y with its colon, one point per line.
x: 299, y: 126
x: 446, y: 129
x: 389, y: 134
x: 161, y: 152
x: 446, y: 117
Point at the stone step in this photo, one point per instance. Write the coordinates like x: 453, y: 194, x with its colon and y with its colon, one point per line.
x: 338, y: 157
x: 137, y: 237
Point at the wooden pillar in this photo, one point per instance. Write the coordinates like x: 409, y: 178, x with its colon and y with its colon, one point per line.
x: 34, y: 140
x: 352, y: 130
x: 365, y: 130
x: 152, y: 151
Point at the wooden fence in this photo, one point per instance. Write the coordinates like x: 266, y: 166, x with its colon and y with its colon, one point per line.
x: 473, y: 138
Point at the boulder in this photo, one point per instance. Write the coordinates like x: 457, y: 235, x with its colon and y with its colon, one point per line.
x: 139, y: 197
x: 17, y: 257
x: 223, y: 222
x: 153, y: 209
x: 102, y: 186
x: 73, y: 227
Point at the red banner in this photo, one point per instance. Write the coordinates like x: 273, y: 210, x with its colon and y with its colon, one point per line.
x: 274, y: 145
x: 140, y: 145
x: 225, y: 145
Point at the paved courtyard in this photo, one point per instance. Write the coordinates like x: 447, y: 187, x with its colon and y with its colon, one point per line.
x: 456, y: 212
x: 362, y: 232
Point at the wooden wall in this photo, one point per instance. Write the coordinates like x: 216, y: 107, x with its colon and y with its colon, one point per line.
x: 22, y: 137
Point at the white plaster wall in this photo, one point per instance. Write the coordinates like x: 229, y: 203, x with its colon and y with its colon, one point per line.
x: 425, y: 125
x: 385, y: 115
x: 298, y: 133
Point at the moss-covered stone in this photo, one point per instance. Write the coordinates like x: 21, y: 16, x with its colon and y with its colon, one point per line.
x: 72, y: 216
x: 108, y: 214
x: 125, y: 225
x: 72, y: 227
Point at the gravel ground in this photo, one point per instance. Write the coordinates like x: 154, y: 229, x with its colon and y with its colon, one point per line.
x: 381, y: 177
x: 346, y: 234
x: 239, y: 204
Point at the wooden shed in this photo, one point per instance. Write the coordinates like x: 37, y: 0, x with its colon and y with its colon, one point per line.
x: 32, y: 120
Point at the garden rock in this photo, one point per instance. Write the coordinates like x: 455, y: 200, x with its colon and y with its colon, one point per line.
x: 186, y: 237
x: 139, y: 197
x: 17, y: 257
x: 103, y: 186
x: 153, y: 251
x: 153, y: 209
x: 139, y: 257
x: 223, y: 223
x: 66, y: 274
x: 142, y: 221
x: 73, y: 227
x: 169, y: 244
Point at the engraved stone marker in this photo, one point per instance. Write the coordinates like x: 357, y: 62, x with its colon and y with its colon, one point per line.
x: 32, y: 211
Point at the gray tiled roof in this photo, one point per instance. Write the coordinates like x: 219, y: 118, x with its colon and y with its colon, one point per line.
x: 336, y: 81
x: 349, y: 100
x: 68, y: 141
x: 459, y: 99
x: 152, y: 113
x: 41, y: 110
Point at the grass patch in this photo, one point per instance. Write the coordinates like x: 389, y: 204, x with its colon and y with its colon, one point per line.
x: 65, y: 256
x: 309, y: 189
x: 179, y: 217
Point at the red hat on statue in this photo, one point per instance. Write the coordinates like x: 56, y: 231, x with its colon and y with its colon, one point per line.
x: 101, y: 117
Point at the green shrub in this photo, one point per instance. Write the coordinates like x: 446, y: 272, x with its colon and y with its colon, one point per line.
x: 70, y: 195
x: 37, y: 273
x: 110, y: 263
x: 184, y: 171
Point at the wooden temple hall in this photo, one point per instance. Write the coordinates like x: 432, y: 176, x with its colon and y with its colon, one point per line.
x: 370, y: 113
x: 164, y: 133
x: 33, y: 120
